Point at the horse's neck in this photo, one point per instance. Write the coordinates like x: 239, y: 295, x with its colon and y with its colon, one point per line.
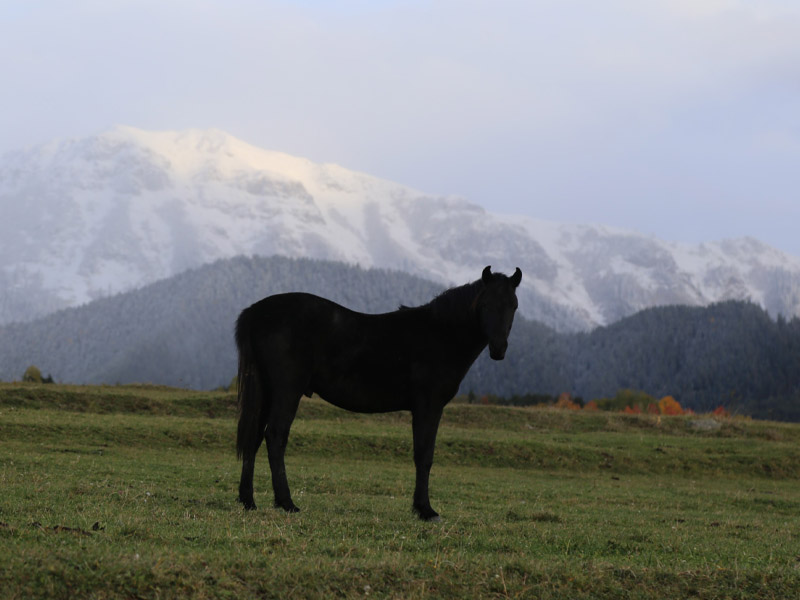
x: 465, y: 339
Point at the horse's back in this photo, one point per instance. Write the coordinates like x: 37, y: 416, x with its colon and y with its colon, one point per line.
x: 295, y: 310
x: 349, y: 358
x: 291, y: 321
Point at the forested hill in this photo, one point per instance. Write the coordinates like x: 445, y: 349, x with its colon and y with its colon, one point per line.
x: 180, y: 332
x: 730, y: 354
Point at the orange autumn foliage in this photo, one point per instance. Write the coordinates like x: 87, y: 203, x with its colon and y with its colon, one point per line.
x: 669, y: 406
x: 565, y: 401
x: 666, y: 406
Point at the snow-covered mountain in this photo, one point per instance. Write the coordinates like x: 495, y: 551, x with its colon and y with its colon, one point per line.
x: 84, y: 218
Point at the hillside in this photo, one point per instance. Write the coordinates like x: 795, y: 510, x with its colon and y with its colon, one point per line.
x: 130, y: 492
x: 180, y: 332
x: 91, y: 217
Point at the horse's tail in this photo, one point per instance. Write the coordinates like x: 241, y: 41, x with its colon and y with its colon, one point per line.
x: 248, y: 384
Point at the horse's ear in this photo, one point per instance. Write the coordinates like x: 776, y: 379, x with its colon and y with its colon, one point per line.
x: 516, y: 278
x: 487, y: 274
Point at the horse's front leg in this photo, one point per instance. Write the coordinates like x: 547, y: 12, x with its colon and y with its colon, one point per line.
x: 425, y: 424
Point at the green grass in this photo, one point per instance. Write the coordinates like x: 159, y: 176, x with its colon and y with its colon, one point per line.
x: 129, y: 492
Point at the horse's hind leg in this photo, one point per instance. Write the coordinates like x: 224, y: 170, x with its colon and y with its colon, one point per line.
x: 284, y: 409
x: 248, y: 465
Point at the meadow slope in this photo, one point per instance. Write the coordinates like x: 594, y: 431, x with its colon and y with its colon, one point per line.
x: 130, y: 492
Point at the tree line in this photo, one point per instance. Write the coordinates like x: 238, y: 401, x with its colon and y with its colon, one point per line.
x: 732, y: 354
x: 179, y: 332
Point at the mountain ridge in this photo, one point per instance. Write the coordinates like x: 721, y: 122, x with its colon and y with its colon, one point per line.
x: 94, y: 216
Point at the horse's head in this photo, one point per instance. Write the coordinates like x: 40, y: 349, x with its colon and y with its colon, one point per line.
x: 496, y: 306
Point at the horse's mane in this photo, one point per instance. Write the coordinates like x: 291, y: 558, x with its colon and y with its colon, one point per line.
x: 455, y: 304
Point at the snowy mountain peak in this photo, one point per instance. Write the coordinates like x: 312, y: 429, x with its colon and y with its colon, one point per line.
x: 93, y: 216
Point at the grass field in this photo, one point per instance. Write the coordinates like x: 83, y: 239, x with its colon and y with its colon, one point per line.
x: 129, y: 492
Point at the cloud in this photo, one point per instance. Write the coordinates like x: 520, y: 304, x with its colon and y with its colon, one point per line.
x: 556, y: 108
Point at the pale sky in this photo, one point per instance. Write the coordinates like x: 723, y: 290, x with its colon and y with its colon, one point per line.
x: 676, y: 118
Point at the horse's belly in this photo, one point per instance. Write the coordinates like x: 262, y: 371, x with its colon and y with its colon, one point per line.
x: 377, y: 405
x: 358, y: 397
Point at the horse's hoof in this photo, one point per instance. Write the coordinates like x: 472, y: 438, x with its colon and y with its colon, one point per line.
x: 427, y: 514
x: 289, y: 508
x: 248, y: 504
x: 434, y: 519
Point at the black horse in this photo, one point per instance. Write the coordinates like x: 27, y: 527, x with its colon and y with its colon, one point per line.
x: 411, y: 359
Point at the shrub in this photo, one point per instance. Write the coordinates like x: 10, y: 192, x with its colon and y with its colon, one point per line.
x: 34, y: 375
x: 669, y: 406
x: 565, y: 401
x: 636, y: 400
